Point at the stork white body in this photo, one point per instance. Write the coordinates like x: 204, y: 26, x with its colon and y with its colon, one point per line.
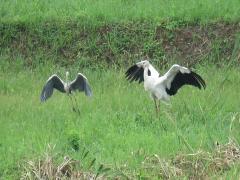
x: 162, y: 87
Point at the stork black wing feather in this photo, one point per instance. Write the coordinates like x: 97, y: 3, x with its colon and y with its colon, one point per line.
x: 135, y: 73
x: 199, y: 78
x: 131, y: 70
x: 181, y: 79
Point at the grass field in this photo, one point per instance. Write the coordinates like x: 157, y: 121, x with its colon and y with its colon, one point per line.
x: 119, y: 10
x: 118, y: 125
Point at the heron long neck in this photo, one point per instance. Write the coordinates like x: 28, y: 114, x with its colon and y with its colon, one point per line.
x: 67, y: 80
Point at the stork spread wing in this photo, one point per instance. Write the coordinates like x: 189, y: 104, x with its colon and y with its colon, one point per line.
x: 81, y: 84
x: 135, y: 73
x: 181, y: 79
x: 53, y: 82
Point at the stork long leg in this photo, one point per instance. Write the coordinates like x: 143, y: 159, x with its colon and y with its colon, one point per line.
x: 156, y: 106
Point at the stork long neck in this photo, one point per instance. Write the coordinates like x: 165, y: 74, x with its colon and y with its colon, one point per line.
x: 148, y: 79
x: 145, y: 73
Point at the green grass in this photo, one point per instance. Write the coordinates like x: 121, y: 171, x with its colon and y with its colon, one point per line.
x: 118, y: 124
x: 119, y: 10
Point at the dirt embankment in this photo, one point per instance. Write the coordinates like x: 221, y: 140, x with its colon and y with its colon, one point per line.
x: 193, y: 43
x: 116, y: 43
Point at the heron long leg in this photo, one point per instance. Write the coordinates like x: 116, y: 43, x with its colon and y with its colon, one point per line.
x: 72, y: 104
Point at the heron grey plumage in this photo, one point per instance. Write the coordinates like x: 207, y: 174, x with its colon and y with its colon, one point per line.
x: 80, y: 83
x: 162, y: 87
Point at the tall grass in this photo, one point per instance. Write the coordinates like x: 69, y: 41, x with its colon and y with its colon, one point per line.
x: 119, y: 10
x: 118, y: 124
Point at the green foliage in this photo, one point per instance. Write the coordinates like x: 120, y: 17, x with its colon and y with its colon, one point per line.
x: 69, y: 43
x: 73, y: 140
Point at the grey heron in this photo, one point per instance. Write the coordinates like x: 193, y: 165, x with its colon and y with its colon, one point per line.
x: 80, y: 83
x: 162, y: 87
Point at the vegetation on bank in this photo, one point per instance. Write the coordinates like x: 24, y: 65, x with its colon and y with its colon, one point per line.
x: 117, y: 32
x: 68, y: 43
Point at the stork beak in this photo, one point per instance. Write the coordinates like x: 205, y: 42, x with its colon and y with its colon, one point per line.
x: 139, y: 64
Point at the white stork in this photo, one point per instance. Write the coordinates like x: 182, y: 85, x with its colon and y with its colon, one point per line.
x: 80, y: 83
x: 162, y: 87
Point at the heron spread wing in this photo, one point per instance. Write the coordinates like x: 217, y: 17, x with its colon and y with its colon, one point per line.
x: 53, y: 82
x: 81, y: 84
x: 178, y: 76
x: 135, y: 73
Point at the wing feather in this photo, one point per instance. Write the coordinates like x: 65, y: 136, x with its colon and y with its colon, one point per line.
x: 53, y: 82
x: 182, y: 79
x: 135, y: 73
x: 81, y: 84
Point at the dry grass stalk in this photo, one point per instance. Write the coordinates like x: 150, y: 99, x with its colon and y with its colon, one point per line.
x: 47, y: 168
x: 200, y: 165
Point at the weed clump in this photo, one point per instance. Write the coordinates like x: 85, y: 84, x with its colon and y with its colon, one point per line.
x: 202, y: 164
x: 54, y: 166
x: 73, y: 140
x: 199, y: 165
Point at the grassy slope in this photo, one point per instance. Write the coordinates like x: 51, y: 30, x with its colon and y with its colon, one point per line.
x: 118, y: 43
x: 119, y: 10
x: 128, y: 30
